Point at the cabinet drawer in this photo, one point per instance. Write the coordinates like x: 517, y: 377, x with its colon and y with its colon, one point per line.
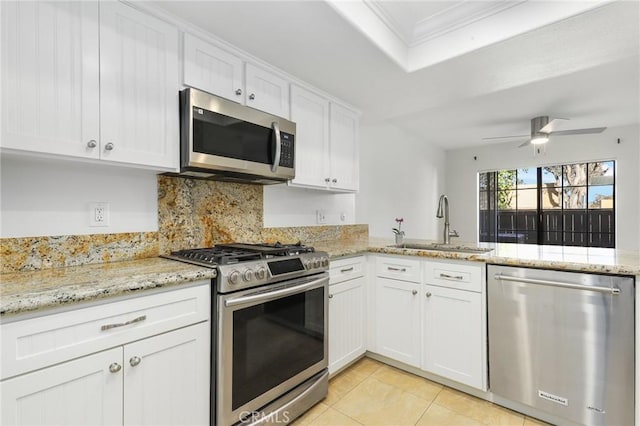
x: 398, y: 268
x: 454, y: 275
x: 38, y: 342
x: 346, y: 269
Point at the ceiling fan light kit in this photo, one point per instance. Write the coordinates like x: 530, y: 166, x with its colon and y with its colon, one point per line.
x: 539, y: 139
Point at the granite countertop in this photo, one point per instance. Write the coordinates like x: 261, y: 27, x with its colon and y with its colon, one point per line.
x: 580, y: 259
x: 22, y: 292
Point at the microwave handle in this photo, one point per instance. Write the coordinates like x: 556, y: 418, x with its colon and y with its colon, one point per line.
x: 276, y: 160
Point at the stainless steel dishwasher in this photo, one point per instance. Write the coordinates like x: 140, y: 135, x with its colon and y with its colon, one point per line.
x: 563, y: 343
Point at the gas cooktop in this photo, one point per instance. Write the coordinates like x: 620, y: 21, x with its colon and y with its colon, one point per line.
x: 243, y: 266
x: 227, y: 254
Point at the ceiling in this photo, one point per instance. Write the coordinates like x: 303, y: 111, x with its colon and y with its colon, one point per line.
x: 585, y: 67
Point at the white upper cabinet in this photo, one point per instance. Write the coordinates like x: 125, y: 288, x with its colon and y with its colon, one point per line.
x: 139, y: 87
x: 344, y: 149
x: 267, y: 92
x: 310, y: 112
x: 89, y: 79
x: 219, y: 72
x: 213, y: 70
x: 326, y: 143
x: 50, y: 81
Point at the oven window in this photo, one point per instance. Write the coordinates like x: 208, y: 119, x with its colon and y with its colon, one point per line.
x: 217, y: 134
x: 274, y: 341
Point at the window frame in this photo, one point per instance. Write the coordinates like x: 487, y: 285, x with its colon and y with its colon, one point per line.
x: 582, y: 235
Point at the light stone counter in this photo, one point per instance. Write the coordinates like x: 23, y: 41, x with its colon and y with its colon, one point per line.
x: 580, y: 259
x: 48, y: 288
x: 22, y: 292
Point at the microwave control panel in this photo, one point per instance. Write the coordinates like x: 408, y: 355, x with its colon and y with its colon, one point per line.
x: 286, y: 150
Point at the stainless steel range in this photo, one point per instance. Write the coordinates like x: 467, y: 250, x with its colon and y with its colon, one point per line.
x: 269, y: 338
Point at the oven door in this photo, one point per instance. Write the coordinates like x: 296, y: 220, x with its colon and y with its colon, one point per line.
x: 269, y: 340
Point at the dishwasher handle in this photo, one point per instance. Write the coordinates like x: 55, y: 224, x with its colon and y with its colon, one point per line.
x: 610, y: 290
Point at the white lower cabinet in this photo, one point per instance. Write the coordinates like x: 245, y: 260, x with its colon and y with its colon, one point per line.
x: 397, y: 320
x: 78, y: 392
x: 453, y: 335
x: 430, y: 314
x: 346, y: 323
x: 166, y: 378
x: 136, y: 377
x: 347, y: 312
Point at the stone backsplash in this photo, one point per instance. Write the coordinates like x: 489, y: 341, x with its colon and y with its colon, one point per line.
x: 191, y: 213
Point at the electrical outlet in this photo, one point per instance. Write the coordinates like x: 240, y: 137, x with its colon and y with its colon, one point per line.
x: 98, y: 214
x: 321, y: 217
x: 343, y: 216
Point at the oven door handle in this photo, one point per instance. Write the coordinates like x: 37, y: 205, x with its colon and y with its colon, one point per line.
x: 266, y: 296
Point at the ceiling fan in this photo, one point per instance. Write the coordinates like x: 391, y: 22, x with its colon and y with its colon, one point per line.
x: 542, y: 128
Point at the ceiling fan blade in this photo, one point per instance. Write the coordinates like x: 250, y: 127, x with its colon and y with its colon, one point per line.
x: 552, y: 125
x: 505, y: 137
x: 524, y: 144
x: 579, y: 131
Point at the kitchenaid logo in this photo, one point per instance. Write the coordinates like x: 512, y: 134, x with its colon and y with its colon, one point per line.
x: 553, y: 398
x: 248, y: 417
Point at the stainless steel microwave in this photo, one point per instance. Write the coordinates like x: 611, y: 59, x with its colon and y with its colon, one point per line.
x: 223, y: 140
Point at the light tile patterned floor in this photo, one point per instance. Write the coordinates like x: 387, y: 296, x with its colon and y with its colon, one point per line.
x: 371, y: 393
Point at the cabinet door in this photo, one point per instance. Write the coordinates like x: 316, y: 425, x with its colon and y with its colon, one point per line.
x: 346, y: 323
x: 138, y: 87
x: 267, y: 92
x: 343, y: 149
x: 167, y: 378
x: 398, y: 320
x: 453, y: 334
x: 50, y: 80
x: 310, y: 112
x: 213, y: 70
x: 79, y: 392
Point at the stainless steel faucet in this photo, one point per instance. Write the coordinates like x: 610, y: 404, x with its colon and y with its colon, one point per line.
x: 443, y: 211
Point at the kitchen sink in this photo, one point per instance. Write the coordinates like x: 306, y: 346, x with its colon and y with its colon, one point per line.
x: 443, y: 247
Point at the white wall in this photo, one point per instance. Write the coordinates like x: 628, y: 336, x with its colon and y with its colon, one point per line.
x: 462, y: 172
x: 400, y: 176
x: 289, y: 206
x: 51, y: 197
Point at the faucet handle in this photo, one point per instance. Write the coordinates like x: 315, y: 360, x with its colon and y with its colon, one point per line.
x: 454, y: 233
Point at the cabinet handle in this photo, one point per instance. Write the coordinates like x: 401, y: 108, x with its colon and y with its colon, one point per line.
x: 252, y: 96
x: 451, y: 277
x: 135, y: 361
x: 428, y: 294
x: 391, y: 268
x: 238, y: 92
x: 122, y: 324
x: 334, y: 180
x: 92, y: 143
x: 331, y: 296
x: 109, y: 147
x: 346, y: 270
x: 414, y: 292
x: 115, y: 367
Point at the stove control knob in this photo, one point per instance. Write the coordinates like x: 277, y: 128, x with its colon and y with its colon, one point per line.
x: 261, y: 273
x: 325, y: 262
x: 233, y: 277
x: 247, y: 275
x: 316, y: 263
x: 308, y: 264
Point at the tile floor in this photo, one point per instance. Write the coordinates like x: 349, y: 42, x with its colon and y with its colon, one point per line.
x: 372, y: 393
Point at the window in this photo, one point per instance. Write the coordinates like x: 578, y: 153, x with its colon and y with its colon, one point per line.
x: 570, y: 204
